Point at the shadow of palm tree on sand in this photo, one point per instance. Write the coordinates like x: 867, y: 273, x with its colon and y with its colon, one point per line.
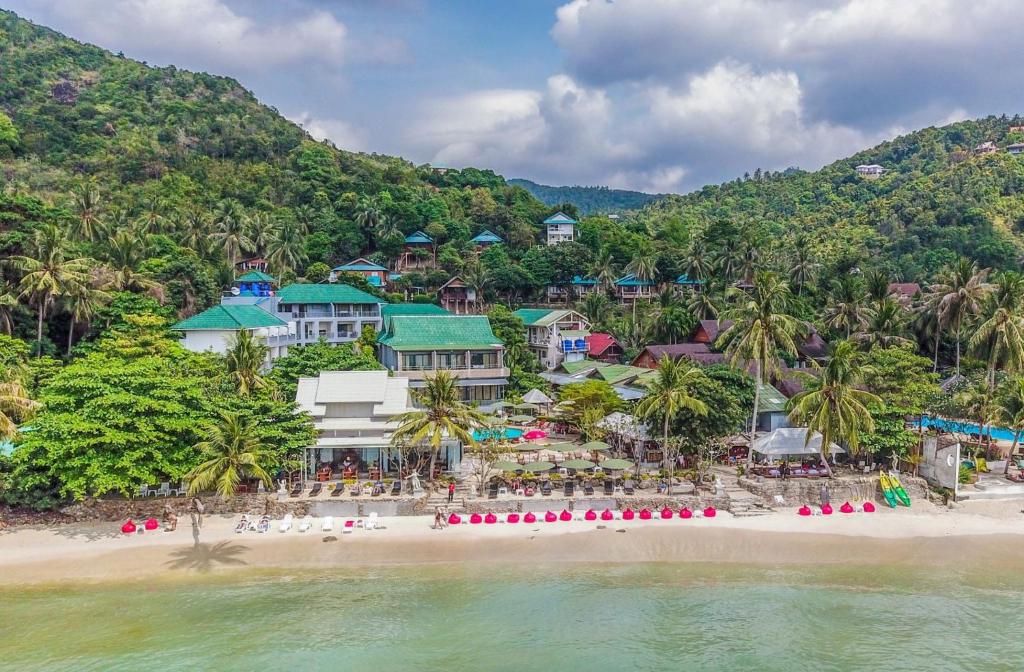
x: 204, y: 557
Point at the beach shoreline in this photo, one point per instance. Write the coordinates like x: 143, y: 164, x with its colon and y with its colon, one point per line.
x: 991, y: 533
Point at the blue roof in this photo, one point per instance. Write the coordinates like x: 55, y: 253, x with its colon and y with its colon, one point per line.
x: 630, y: 280
x: 580, y: 280
x: 360, y: 264
x: 419, y: 237
x: 560, y: 218
x: 486, y: 237
x: 684, y: 279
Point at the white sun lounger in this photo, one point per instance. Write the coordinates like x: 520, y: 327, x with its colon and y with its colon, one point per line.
x: 243, y: 525
x: 371, y: 522
x: 286, y: 522
x: 263, y: 525
x: 327, y: 524
x: 306, y: 523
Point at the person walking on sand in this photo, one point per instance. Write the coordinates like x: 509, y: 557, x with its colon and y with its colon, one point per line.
x: 451, y: 492
x: 437, y: 518
x: 197, y: 505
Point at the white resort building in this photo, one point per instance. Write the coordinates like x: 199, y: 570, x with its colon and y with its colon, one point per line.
x: 213, y: 330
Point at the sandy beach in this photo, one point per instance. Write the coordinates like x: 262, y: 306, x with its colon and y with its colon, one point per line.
x: 990, y: 532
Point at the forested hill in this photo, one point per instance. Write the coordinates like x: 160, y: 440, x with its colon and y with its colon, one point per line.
x: 937, y: 199
x: 589, y: 200
x: 100, y: 139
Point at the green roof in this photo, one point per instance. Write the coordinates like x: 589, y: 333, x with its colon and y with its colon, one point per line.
x: 574, y: 334
x: 616, y: 373
x: 575, y: 367
x: 324, y: 293
x: 438, y: 332
x: 230, y: 318
x: 486, y: 237
x: 255, y: 276
x: 395, y: 309
x: 771, y: 401
x: 532, y: 317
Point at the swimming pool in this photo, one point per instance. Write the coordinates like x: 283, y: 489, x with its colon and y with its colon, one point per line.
x: 502, y: 433
x: 964, y: 427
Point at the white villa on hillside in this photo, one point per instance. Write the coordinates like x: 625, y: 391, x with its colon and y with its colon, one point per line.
x: 213, y: 330
x: 555, y: 336
x: 561, y: 228
x: 870, y: 171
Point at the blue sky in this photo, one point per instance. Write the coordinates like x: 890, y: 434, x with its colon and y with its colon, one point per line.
x: 657, y: 95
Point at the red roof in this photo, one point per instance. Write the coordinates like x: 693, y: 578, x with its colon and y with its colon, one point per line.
x: 598, y: 343
x: 698, y: 353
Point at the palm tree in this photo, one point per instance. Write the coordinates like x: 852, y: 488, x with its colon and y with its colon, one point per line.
x: 761, y: 328
x: 1000, y: 337
x: 229, y: 220
x: 441, y: 415
x: 124, y: 252
x: 803, y: 268
x: 233, y: 451
x: 644, y: 264
x: 670, y: 319
x: 959, y: 295
x: 88, y: 208
x: 194, y: 230
x: 14, y: 404
x: 245, y: 358
x: 8, y: 302
x: 478, y: 279
x: 82, y: 303
x: 152, y: 216
x: 286, y: 247
x: 1010, y: 410
x: 876, y: 284
x: 702, y: 304
x: 595, y: 306
x: 833, y: 405
x: 847, y: 310
x: 699, y: 265
x: 261, y: 230
x: 48, y: 274
x: 604, y: 269
x: 884, y: 326
x: 669, y: 393
x: 369, y: 216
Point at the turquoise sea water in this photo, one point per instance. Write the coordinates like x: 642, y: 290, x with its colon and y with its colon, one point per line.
x: 581, y: 617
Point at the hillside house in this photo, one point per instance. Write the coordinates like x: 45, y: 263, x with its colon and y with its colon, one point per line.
x: 871, y: 171
x: 457, y: 297
x: 214, y: 330
x: 630, y: 288
x: 375, y: 274
x: 684, y: 282
x: 252, y: 264
x: 577, y: 288
x: 1016, y: 148
x: 555, y: 336
x: 418, y: 253
x: 987, y: 147
x: 561, y: 228
x: 604, y: 348
x: 334, y: 312
x: 485, y: 239
x: 696, y: 353
x: 904, y: 292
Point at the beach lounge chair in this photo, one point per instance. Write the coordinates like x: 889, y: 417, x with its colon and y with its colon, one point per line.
x: 315, y: 490
x: 356, y: 490
x: 306, y: 524
x: 628, y: 488
x: 396, y: 488
x: 143, y: 491
x: 264, y: 525
x: 545, y: 488
x: 588, y: 488
x: 609, y: 487
x: 492, y: 490
x: 296, y: 490
x: 339, y: 490
x: 242, y: 525
x: 327, y: 524
x: 165, y: 490
x: 570, y: 489
x: 371, y: 522
x: 286, y: 522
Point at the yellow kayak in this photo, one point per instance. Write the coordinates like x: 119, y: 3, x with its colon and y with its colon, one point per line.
x: 887, y: 489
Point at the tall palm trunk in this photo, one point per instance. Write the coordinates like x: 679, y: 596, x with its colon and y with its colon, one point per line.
x: 753, y: 419
x: 824, y: 458
x: 1013, y: 448
x: 958, y: 344
x: 935, y: 362
x: 669, y: 464
x: 71, y: 334
x: 39, y: 327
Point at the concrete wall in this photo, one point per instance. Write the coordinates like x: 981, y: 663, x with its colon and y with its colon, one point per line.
x: 941, y: 465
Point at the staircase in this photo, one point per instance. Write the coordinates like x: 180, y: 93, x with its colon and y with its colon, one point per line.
x: 742, y: 504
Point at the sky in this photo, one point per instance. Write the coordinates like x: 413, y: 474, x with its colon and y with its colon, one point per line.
x: 654, y: 95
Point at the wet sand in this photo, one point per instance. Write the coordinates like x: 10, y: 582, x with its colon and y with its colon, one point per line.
x: 991, y: 533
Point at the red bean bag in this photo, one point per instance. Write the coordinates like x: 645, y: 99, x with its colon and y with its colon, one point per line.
x: 666, y: 513
x: 645, y: 514
x: 685, y: 513
x: 453, y: 519
x: 804, y: 510
x: 846, y: 508
x: 513, y: 518
x: 628, y: 514
x: 565, y: 515
x: 129, y: 527
x: 530, y: 518
x: 590, y: 515
x: 476, y: 519
x: 826, y: 510
x: 550, y: 517
x: 490, y: 519
x: 152, y: 524
x: 710, y: 512
x: 607, y: 515
x: 869, y: 507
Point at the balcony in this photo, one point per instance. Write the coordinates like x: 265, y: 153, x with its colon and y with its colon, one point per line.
x: 461, y: 373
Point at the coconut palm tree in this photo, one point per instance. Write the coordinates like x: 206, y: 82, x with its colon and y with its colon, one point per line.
x: 702, y: 304
x: 8, y: 302
x: 151, y: 218
x: 286, y: 247
x: 803, y: 268
x: 245, y: 359
x: 194, y: 229
x: 885, y: 326
x: 441, y: 415
x: 644, y: 264
x: 478, y: 279
x: 48, y: 274
x: 87, y: 205
x: 960, y: 294
x: 15, y: 404
x: 847, y: 310
x: 369, y: 216
x: 230, y: 222
x: 232, y: 452
x: 82, y: 303
x: 833, y: 405
x: 762, y: 328
x: 670, y: 392
x: 604, y: 269
x: 595, y: 306
x: 1010, y: 410
x: 876, y: 285
x: 699, y: 265
x: 999, y: 338
x: 123, y: 253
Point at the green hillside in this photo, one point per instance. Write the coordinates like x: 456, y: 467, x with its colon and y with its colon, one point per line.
x: 588, y: 200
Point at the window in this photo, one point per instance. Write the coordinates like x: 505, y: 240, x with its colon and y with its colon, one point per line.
x: 484, y: 360
x: 451, y: 360
x: 417, y: 361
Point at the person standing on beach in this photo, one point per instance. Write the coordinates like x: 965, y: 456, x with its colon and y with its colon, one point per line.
x: 437, y: 518
x: 824, y: 494
x: 451, y: 492
x: 197, y: 505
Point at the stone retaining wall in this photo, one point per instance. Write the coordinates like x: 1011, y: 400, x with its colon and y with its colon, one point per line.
x: 799, y: 491
x: 538, y: 505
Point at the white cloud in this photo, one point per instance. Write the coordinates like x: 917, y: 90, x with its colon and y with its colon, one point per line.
x: 340, y: 132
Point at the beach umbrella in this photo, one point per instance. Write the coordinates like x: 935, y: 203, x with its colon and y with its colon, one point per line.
x: 596, y: 447
x: 578, y: 464
x: 506, y: 465
x: 521, y: 419
x: 535, y: 396
x: 526, y: 407
x: 537, y: 467
x: 562, y: 447
x: 616, y: 465
x: 535, y: 434
x: 526, y: 447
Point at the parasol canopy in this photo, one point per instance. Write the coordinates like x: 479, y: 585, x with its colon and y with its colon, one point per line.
x: 616, y: 465
x: 536, y: 467
x: 579, y: 464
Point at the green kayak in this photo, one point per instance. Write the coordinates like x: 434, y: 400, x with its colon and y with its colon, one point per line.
x: 887, y: 490
x: 897, y: 487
